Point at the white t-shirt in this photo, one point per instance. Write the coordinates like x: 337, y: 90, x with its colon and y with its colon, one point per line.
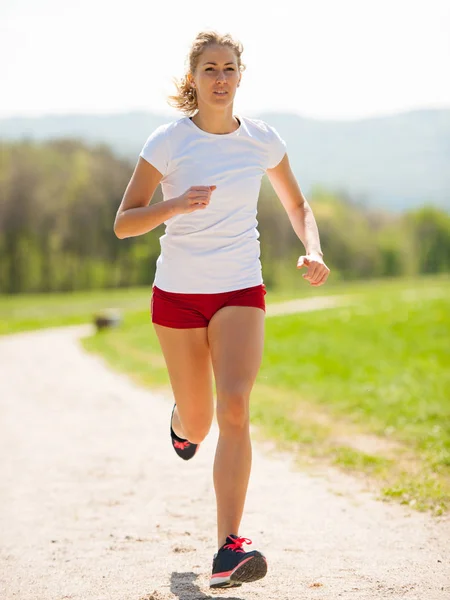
x: 215, y: 249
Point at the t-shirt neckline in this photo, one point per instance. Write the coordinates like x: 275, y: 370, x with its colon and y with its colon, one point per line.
x: 216, y: 135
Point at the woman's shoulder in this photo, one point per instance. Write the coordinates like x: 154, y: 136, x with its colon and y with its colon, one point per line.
x: 259, y: 127
x: 269, y: 137
x: 167, y: 129
x: 159, y: 145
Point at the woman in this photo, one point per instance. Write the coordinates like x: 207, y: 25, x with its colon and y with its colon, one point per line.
x: 208, y: 296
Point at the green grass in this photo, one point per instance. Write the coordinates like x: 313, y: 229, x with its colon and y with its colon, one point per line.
x: 383, y: 363
x: 34, y: 311
x: 365, y: 387
x: 376, y: 368
x: 380, y: 366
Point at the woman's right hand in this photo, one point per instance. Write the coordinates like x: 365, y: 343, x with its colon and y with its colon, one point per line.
x: 197, y: 197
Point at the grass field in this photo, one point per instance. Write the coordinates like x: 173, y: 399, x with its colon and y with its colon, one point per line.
x: 364, y: 386
x: 33, y: 311
x: 379, y: 367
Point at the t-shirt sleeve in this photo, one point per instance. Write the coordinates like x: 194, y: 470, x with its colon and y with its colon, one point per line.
x: 277, y: 148
x: 156, y: 150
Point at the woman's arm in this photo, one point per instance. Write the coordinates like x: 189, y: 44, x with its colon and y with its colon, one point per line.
x: 302, y: 219
x: 135, y: 216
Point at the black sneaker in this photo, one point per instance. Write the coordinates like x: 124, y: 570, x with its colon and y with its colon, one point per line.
x: 233, y: 566
x: 183, y: 448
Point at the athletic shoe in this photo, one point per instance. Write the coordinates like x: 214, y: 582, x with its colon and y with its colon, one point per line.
x: 233, y: 566
x: 183, y: 448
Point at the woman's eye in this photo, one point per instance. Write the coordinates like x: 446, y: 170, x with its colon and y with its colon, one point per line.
x: 227, y: 69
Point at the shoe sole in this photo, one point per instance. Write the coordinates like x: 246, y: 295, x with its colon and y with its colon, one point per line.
x: 251, y: 570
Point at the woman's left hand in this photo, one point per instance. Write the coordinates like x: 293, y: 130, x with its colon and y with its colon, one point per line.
x: 317, y: 272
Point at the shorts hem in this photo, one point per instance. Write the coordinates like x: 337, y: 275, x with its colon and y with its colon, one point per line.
x: 178, y: 325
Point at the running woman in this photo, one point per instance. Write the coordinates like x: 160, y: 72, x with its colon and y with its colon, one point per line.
x: 208, y: 305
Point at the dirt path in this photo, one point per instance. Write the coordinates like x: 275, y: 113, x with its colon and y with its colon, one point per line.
x: 306, y: 305
x: 95, y: 505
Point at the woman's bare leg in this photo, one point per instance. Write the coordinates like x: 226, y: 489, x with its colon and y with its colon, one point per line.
x: 187, y: 356
x: 236, y: 340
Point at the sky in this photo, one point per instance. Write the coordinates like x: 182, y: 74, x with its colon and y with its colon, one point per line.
x: 322, y: 59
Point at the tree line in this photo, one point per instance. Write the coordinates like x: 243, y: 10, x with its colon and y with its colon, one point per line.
x: 58, y: 201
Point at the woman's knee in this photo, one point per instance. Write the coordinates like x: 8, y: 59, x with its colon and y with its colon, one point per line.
x: 233, y: 409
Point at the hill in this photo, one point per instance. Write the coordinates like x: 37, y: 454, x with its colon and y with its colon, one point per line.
x: 394, y: 162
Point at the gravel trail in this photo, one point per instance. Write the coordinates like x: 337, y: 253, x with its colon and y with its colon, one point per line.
x: 95, y: 505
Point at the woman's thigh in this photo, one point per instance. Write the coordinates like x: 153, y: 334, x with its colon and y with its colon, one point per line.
x: 187, y: 356
x: 236, y: 341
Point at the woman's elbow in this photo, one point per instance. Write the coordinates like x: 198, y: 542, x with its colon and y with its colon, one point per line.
x: 118, y: 229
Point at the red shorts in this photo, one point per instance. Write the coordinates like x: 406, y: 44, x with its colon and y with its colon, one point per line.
x: 186, y: 311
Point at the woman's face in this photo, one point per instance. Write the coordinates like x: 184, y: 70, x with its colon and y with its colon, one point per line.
x: 217, y: 76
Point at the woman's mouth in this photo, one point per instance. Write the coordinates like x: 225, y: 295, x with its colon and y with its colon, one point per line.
x: 220, y: 92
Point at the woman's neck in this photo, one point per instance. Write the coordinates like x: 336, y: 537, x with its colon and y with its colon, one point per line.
x: 216, y: 122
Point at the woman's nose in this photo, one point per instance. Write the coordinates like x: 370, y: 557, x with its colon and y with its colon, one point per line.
x: 221, y: 76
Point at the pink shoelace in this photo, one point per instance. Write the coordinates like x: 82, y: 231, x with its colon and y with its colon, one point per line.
x: 237, y: 543
x: 181, y: 445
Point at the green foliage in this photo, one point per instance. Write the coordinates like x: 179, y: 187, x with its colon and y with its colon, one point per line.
x: 358, y: 243
x: 430, y: 229
x: 59, y: 200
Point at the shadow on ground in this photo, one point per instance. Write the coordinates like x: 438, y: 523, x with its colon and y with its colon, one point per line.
x: 183, y: 586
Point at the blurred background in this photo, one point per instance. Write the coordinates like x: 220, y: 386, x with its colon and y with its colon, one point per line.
x: 360, y: 92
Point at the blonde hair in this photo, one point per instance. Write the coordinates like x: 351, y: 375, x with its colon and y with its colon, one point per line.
x: 186, y: 98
